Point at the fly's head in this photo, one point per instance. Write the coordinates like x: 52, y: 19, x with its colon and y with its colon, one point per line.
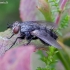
x: 15, y: 27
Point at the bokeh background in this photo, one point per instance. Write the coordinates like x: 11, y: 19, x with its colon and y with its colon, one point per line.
x: 9, y: 13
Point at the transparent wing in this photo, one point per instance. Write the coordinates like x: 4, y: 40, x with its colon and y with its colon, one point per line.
x: 44, y: 23
x: 46, y: 38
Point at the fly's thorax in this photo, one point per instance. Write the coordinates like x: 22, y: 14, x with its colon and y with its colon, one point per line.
x: 28, y: 27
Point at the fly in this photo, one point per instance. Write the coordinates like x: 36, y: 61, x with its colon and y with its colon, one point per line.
x: 31, y: 30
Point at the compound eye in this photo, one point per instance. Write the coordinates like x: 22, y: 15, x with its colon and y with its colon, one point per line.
x: 16, y: 30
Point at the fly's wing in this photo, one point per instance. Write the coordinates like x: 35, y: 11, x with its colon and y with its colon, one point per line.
x: 46, y: 38
x: 43, y: 23
x: 39, y: 22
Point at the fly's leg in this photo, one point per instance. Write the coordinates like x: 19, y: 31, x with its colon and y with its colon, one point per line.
x: 29, y: 37
x: 28, y: 41
x: 11, y: 36
x: 32, y: 38
x: 14, y: 43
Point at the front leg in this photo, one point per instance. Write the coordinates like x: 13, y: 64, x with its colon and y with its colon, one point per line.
x: 13, y: 43
x: 11, y: 36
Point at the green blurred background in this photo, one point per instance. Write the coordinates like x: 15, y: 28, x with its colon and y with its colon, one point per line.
x: 9, y: 13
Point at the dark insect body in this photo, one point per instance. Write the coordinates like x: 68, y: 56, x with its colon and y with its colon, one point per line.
x: 31, y: 30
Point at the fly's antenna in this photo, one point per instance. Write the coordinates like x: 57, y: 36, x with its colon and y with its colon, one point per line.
x: 9, y: 25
